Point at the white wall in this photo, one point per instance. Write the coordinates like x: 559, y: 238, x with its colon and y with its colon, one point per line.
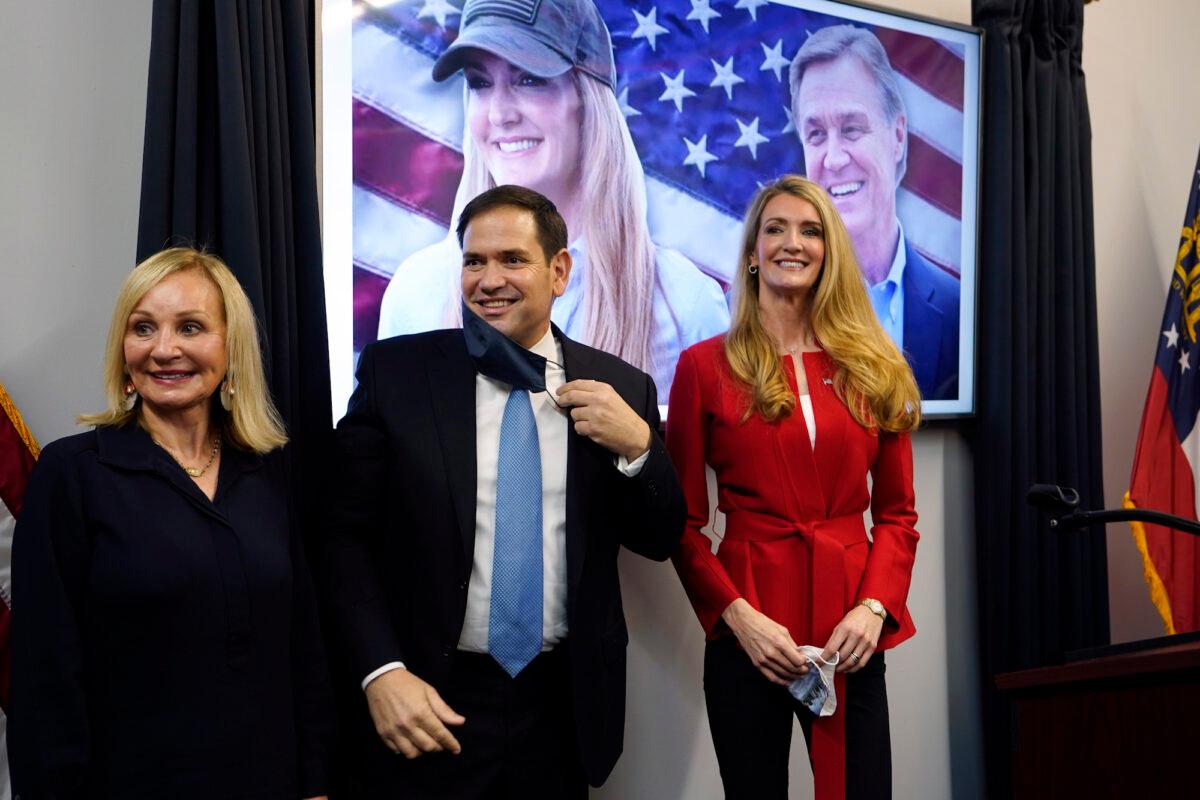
x: 1138, y: 58
x: 932, y: 679
x: 72, y: 109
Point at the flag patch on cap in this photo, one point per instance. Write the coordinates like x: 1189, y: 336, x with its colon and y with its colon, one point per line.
x: 520, y: 10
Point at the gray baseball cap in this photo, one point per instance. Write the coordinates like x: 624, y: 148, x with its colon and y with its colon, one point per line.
x: 543, y: 37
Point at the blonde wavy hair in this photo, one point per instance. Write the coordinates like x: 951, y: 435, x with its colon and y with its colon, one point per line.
x: 617, y: 307
x: 254, y: 423
x: 872, y: 377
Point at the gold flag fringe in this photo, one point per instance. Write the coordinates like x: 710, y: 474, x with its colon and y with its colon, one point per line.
x: 14, y: 416
x: 1158, y: 592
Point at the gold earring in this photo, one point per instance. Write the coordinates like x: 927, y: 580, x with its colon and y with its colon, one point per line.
x: 131, y: 396
x: 226, y: 395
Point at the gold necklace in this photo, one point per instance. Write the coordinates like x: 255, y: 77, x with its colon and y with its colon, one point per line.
x: 195, y: 472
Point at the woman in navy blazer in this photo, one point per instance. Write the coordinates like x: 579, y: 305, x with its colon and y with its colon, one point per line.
x: 166, y: 643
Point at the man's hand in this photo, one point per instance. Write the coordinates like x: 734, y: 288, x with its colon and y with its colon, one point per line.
x: 410, y: 716
x: 766, y: 642
x: 854, y: 639
x: 602, y: 416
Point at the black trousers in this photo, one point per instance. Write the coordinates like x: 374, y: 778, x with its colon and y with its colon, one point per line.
x: 751, y: 722
x: 518, y: 740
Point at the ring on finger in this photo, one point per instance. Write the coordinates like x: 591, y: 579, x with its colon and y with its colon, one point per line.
x: 854, y: 657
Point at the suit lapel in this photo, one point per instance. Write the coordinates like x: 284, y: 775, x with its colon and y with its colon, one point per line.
x: 130, y: 447
x: 577, y: 363
x: 452, y: 390
x: 921, y: 342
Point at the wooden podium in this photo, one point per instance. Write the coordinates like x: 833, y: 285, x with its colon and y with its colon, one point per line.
x: 1119, y: 721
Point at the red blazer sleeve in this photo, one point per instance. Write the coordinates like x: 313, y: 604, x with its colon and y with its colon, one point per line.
x: 704, y: 578
x: 893, y: 513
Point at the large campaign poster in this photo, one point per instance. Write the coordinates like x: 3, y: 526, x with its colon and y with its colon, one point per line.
x: 707, y: 93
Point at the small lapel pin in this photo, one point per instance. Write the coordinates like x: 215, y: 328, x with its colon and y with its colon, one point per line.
x: 827, y: 381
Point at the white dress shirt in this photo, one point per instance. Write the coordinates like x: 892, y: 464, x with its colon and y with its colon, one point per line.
x: 887, y: 296
x: 552, y: 425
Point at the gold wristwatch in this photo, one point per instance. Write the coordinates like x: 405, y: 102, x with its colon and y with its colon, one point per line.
x: 875, y: 607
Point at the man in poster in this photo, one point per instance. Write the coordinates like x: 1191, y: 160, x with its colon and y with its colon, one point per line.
x: 852, y: 124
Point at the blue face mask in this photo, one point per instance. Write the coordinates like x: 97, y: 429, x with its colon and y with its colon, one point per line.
x: 499, y: 357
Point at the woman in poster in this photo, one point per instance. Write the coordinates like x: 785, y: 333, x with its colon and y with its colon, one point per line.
x: 541, y: 112
x: 794, y: 408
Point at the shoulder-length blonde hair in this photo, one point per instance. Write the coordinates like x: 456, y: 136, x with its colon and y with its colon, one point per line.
x: 253, y: 423
x: 872, y: 377
x: 620, y: 256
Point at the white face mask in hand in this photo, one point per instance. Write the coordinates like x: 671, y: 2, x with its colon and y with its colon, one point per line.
x: 814, y: 689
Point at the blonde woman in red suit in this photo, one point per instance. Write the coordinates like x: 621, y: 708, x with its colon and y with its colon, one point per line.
x: 793, y: 408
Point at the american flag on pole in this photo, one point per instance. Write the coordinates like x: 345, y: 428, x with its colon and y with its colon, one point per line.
x: 1168, y: 446
x: 703, y: 85
x: 18, y: 451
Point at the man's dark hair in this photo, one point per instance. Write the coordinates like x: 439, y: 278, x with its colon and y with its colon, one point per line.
x: 551, y: 229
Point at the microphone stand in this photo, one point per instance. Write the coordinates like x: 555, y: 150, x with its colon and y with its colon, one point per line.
x: 1062, y: 503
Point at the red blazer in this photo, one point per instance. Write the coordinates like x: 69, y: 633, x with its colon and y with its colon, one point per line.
x: 795, y: 545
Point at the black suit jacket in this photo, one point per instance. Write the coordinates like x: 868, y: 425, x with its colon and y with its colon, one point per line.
x: 403, y: 524
x: 931, y: 311
x: 166, y: 645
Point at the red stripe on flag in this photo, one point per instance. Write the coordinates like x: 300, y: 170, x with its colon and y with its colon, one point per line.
x: 1163, y: 481
x: 934, y: 176
x: 926, y: 63
x: 403, y: 165
x: 368, y: 295
x: 16, y: 461
x: 18, y: 451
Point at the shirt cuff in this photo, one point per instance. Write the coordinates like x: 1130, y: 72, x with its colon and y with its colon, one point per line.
x: 388, y: 667
x: 631, y: 468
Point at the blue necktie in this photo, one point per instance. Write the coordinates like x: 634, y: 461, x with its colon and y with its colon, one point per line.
x: 515, y: 621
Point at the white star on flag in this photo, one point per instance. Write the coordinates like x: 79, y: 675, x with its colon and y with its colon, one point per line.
x: 437, y: 10
x: 752, y: 6
x: 702, y: 12
x: 623, y: 104
x: 698, y: 155
x: 726, y: 77
x: 775, y: 60
x: 1172, y: 336
x: 791, y: 121
x: 750, y: 137
x: 1183, y: 361
x: 675, y: 90
x: 648, y: 27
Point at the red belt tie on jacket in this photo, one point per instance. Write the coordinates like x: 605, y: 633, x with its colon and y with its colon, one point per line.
x: 827, y: 540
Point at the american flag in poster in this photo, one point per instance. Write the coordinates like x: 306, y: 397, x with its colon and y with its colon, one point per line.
x: 703, y: 85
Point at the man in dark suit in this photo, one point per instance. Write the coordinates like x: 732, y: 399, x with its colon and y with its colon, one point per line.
x: 931, y: 325
x: 484, y: 481
x: 852, y: 123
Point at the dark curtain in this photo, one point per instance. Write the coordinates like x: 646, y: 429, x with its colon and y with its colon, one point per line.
x: 1041, y: 594
x: 230, y: 165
